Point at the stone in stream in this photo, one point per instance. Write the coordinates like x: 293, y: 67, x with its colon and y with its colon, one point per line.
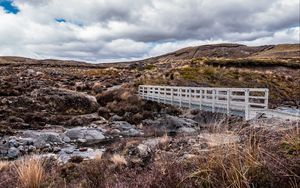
x: 13, y: 153
x: 174, y: 122
x: 186, y: 130
x: 42, y: 139
x: 90, y: 135
x: 125, y: 128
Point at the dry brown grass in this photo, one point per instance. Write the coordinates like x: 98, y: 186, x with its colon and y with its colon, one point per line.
x: 230, y: 166
x: 31, y: 172
x: 118, y: 160
x: 3, y: 164
x: 98, y: 156
x: 164, y: 141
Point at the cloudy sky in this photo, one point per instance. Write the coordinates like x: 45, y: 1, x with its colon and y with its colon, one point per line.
x: 118, y: 30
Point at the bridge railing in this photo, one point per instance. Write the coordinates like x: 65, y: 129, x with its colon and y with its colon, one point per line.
x: 236, y: 101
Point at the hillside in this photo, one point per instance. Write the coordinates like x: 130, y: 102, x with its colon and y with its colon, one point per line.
x: 233, y: 51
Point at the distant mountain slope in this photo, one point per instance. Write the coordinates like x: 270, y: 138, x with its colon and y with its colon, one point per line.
x: 232, y: 51
x: 227, y: 51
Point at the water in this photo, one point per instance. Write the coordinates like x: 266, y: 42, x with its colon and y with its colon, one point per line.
x: 289, y: 110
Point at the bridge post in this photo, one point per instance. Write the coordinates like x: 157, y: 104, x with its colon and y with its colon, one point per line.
x: 190, y: 97
x: 159, y: 89
x: 180, y: 97
x: 201, y: 99
x: 172, y: 96
x: 165, y: 95
x: 247, y: 105
x: 228, y: 101
x: 213, y: 99
x: 266, y: 98
x: 142, y: 89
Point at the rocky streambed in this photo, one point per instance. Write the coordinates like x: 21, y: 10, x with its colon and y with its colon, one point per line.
x: 66, y: 114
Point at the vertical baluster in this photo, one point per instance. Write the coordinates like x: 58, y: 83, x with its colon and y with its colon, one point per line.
x: 247, y: 106
x: 190, y: 98
x: 201, y: 99
x: 180, y: 97
x: 213, y: 99
x: 172, y: 96
x: 228, y: 101
x: 266, y: 98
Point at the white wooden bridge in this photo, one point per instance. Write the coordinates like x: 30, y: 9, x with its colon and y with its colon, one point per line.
x: 244, y: 102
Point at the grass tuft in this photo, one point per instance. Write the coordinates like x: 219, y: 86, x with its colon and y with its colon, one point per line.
x: 118, y: 160
x: 31, y: 172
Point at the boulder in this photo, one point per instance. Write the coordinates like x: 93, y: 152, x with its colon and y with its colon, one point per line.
x: 122, y: 125
x: 186, y: 130
x: 89, y: 135
x: 13, y: 153
x: 174, y: 122
x: 126, y: 128
x: 41, y: 139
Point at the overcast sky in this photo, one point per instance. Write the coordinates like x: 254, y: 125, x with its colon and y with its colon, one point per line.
x: 118, y: 30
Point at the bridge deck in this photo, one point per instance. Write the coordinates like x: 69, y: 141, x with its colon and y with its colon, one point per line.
x: 244, y: 102
x: 235, y: 101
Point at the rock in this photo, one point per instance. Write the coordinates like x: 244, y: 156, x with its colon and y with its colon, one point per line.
x: 26, y: 141
x: 13, y: 153
x: 81, y: 140
x: 104, y: 112
x: 41, y: 139
x: 69, y: 150
x: 66, y: 139
x: 82, y: 149
x: 143, y: 150
x: 152, y: 143
x: 39, y: 73
x: 30, y: 72
x: 13, y: 119
x: 174, y: 122
x: 90, y: 135
x: 56, y: 149
x: 126, y: 128
x: 186, y: 130
x: 116, y: 118
x: 132, y: 132
x: 97, y: 87
x: 122, y: 125
x: 83, y: 120
x: 31, y: 148
x: 13, y: 143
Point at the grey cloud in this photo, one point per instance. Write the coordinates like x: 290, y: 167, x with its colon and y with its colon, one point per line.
x: 129, y: 29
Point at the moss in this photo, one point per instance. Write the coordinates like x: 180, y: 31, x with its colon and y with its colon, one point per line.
x: 292, y: 150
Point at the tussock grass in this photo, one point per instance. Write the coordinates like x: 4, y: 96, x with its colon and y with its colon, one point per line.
x: 164, y: 140
x: 231, y: 166
x: 31, y: 172
x: 118, y: 160
x: 3, y: 164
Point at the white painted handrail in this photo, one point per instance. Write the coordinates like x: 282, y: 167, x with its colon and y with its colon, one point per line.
x: 234, y: 101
